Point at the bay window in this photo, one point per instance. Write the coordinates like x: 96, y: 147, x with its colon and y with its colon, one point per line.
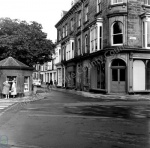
x: 96, y: 37
x: 146, y: 32
x: 147, y: 2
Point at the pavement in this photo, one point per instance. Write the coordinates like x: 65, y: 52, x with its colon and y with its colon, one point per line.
x: 5, y: 103
x: 106, y: 96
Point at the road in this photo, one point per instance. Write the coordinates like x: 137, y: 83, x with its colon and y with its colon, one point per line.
x: 64, y: 120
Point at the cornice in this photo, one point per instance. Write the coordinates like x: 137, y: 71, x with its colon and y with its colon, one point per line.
x: 117, y: 14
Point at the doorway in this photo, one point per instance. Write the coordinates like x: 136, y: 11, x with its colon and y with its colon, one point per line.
x: 118, y: 76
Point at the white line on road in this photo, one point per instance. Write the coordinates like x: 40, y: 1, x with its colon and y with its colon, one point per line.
x: 66, y: 116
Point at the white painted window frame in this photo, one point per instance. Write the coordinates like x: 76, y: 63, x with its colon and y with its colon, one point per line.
x: 95, y: 37
x: 117, y: 2
x: 147, y: 2
x: 27, y: 90
x: 120, y: 33
x: 144, y: 32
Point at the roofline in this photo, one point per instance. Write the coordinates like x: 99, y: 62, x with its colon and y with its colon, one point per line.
x: 16, y: 68
x: 67, y: 14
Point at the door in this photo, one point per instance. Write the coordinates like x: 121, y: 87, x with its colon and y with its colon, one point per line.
x: 118, y: 80
x: 138, y: 75
x: 118, y: 83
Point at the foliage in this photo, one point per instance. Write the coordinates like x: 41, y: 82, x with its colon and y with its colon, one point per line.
x: 25, y: 42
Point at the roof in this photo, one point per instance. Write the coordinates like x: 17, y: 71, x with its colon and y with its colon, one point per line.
x: 11, y: 63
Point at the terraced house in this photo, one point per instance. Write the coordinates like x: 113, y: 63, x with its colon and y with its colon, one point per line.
x: 104, y: 45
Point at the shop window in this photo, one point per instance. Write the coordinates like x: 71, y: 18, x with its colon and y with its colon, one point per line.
x: 101, y: 77
x: 117, y: 33
x: 26, y: 84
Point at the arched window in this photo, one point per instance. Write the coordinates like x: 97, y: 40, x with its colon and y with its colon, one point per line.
x: 117, y: 33
x: 118, y: 62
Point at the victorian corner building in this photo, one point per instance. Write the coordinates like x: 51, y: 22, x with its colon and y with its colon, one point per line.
x: 104, y: 46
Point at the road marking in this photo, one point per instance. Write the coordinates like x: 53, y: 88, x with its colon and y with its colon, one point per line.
x: 12, y: 105
x: 66, y: 116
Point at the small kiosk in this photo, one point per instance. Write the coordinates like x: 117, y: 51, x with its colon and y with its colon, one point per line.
x: 14, y: 70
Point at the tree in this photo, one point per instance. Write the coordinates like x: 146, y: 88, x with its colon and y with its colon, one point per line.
x: 25, y: 42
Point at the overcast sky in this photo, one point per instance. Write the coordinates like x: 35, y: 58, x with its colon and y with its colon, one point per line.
x: 45, y: 12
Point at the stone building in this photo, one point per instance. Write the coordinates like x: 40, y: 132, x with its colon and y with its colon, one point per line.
x: 12, y: 69
x: 105, y: 46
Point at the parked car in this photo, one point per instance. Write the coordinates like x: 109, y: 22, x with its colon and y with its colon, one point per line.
x: 37, y: 82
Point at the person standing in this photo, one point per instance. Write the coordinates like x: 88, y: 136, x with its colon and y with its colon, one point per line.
x: 51, y: 84
x: 5, y: 91
x: 13, y: 89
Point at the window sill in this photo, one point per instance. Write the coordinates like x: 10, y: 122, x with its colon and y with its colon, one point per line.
x: 117, y: 45
x: 146, y: 47
x: 115, y: 5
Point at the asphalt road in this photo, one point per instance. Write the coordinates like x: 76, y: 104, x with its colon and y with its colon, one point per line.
x: 64, y: 120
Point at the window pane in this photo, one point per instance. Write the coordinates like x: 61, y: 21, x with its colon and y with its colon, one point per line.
x: 148, y: 34
x: 114, y: 1
x: 103, y: 76
x: 143, y: 34
x: 122, y: 74
x: 114, y: 74
x: 118, y: 62
x: 98, y: 77
x: 118, y: 39
x: 117, y: 28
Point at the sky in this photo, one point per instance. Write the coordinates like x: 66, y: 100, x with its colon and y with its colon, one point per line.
x: 45, y: 12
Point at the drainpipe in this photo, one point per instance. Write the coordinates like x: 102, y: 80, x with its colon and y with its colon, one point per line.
x: 82, y: 14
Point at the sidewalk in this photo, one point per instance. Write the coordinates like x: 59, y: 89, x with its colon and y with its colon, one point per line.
x: 106, y: 96
x: 24, y: 99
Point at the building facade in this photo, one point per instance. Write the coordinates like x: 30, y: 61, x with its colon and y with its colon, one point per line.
x: 46, y: 72
x: 105, y: 46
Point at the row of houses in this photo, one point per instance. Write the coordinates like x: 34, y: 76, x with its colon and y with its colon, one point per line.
x: 103, y: 46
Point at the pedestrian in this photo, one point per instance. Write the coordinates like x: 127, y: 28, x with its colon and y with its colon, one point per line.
x: 47, y: 85
x: 51, y: 84
x: 34, y: 89
x: 55, y: 83
x: 13, y: 89
x: 6, y: 87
